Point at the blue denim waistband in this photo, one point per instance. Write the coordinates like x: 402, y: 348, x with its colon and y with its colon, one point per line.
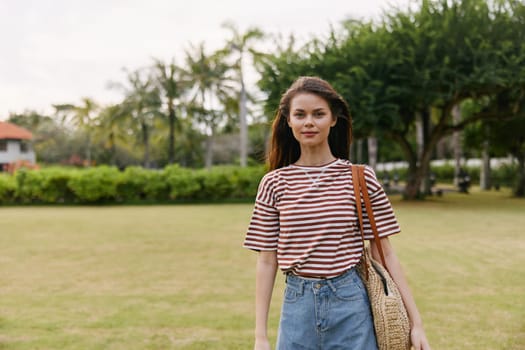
x: 342, y: 279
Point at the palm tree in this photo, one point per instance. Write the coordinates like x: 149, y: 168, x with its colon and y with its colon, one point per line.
x: 209, y: 84
x: 170, y: 82
x: 239, y: 45
x: 110, y: 128
x: 142, y: 102
x: 82, y: 117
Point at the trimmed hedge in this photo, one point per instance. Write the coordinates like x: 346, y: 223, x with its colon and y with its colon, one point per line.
x: 106, y: 184
x: 7, y: 188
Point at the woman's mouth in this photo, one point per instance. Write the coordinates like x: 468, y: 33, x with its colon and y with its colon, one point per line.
x: 309, y: 133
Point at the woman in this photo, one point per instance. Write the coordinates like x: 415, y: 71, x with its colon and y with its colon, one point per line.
x: 305, y: 223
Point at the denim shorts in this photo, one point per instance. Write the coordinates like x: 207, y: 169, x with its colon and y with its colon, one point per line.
x: 326, y: 314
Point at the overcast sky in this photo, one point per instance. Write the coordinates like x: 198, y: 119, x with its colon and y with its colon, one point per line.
x: 58, y: 51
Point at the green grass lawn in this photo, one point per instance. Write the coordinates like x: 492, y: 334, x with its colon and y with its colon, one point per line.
x: 176, y: 277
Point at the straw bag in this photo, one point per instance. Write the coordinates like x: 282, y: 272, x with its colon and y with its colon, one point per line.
x: 391, y: 321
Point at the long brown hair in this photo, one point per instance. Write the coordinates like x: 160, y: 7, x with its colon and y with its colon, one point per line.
x: 284, y: 148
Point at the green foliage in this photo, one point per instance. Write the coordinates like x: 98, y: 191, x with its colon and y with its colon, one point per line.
x: 506, y: 175
x: 95, y: 184
x: 7, y: 188
x: 215, y: 184
x: 446, y: 173
x: 431, y: 56
x: 246, y: 181
x: 61, y: 185
x: 54, y: 186
x: 45, y: 186
x: 229, y: 182
x: 415, y: 61
x: 182, y: 182
x: 137, y: 183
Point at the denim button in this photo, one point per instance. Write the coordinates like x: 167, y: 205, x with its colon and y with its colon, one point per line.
x: 318, y: 285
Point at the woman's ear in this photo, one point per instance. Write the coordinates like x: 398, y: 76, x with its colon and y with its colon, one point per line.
x: 334, y: 121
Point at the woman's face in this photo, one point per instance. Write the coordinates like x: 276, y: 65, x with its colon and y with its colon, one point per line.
x: 310, y: 119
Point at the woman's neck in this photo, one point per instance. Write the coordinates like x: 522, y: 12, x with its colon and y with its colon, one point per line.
x: 310, y: 159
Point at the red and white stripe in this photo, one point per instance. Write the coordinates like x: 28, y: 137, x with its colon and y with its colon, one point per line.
x: 314, y: 227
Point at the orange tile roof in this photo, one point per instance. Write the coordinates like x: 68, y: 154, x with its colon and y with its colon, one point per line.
x: 12, y: 131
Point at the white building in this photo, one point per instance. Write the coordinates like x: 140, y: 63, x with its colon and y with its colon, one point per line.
x: 15, y: 145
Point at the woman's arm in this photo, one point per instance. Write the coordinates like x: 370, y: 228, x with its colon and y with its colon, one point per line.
x: 417, y: 334
x: 264, y: 282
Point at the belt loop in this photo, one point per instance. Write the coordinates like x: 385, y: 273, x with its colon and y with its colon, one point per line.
x: 331, y: 285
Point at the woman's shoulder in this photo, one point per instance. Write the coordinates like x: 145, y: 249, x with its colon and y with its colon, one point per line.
x: 369, y: 171
x: 274, y: 173
x: 273, y: 176
x: 344, y: 163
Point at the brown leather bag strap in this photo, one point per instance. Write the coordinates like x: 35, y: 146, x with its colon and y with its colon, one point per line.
x: 361, y: 187
x: 357, y: 195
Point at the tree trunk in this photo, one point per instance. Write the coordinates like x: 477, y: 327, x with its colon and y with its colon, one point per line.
x: 457, y: 142
x: 359, y: 152
x: 209, y: 151
x: 422, y: 131
x: 171, y: 145
x: 484, y: 178
x: 113, y: 148
x: 420, y: 138
x: 372, y: 151
x: 426, y: 185
x: 88, y: 150
x: 418, y: 175
x: 412, y: 181
x: 441, y: 149
x: 243, y: 126
x: 145, y: 141
x: 419, y: 159
x: 520, y: 185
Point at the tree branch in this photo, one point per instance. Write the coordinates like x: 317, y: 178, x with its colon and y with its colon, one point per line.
x: 493, y: 115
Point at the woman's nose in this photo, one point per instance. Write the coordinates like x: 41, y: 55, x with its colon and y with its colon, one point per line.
x: 309, y: 120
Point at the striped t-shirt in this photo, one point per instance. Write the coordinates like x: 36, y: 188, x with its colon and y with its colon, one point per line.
x: 308, y: 214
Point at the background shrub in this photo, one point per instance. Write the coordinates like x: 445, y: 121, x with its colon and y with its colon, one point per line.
x: 182, y: 182
x: 245, y: 181
x: 95, y: 184
x: 137, y: 183
x: 109, y: 185
x: 7, y: 188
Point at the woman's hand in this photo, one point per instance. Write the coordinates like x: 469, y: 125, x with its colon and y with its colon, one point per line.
x: 419, y: 339
x: 262, y: 344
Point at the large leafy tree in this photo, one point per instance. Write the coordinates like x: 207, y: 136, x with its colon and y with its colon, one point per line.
x: 416, y: 66
x: 453, y: 51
